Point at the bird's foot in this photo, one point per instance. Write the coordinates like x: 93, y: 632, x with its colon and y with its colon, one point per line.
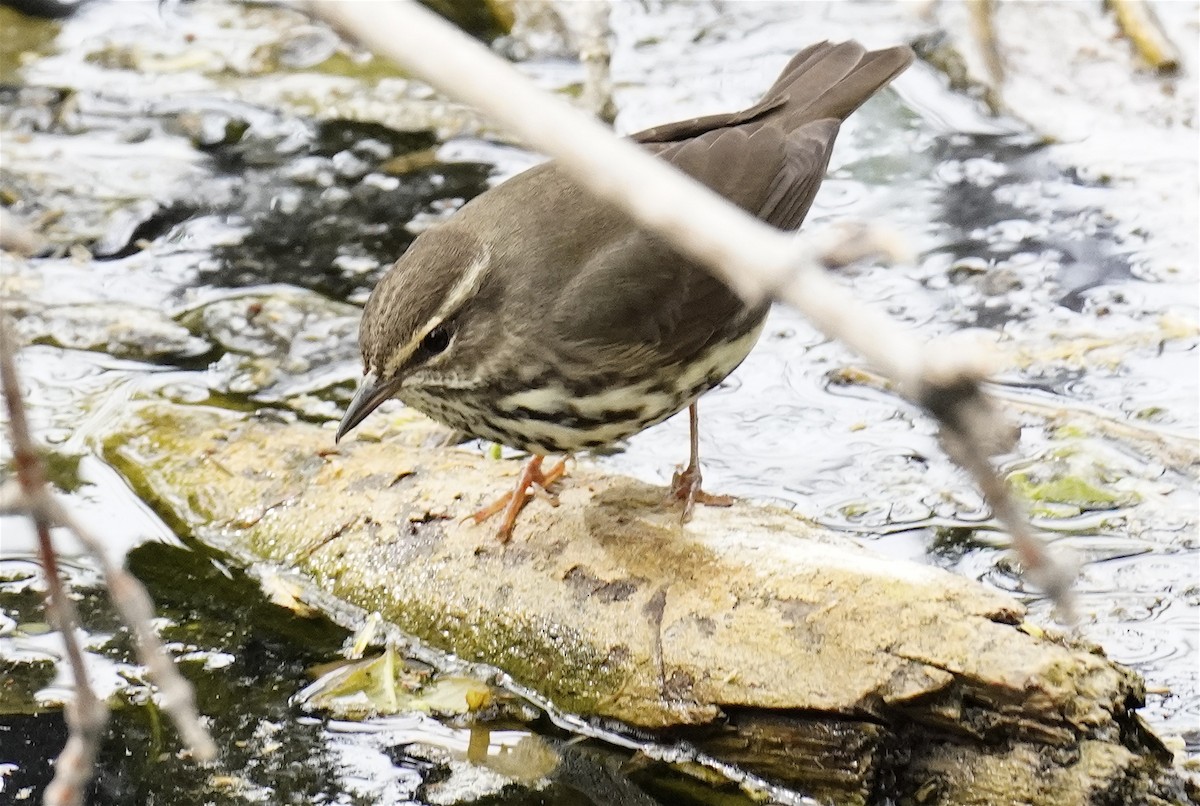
x: 531, y: 482
x: 685, y: 487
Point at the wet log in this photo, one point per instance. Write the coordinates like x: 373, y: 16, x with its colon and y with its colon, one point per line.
x: 760, y: 637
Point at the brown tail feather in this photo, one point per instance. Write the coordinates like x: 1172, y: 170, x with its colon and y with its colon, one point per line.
x: 823, y: 81
x: 831, y: 81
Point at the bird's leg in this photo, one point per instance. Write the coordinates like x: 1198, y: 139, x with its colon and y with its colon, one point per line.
x: 541, y: 486
x: 511, y: 503
x: 685, y: 484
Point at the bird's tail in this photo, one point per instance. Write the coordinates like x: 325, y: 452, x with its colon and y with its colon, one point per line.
x: 830, y: 81
x: 821, y: 82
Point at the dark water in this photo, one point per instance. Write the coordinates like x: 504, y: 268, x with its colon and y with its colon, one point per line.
x: 227, y: 221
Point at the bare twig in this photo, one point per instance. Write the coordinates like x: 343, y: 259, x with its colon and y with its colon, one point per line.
x: 16, y: 237
x: 983, y: 28
x: 176, y: 695
x: 86, y: 714
x: 595, y: 51
x: 1138, y: 22
x: 754, y: 259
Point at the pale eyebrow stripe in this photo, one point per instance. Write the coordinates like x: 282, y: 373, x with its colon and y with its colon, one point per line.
x: 464, y: 288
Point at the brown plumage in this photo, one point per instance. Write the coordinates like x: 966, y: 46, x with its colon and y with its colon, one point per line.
x: 544, y: 319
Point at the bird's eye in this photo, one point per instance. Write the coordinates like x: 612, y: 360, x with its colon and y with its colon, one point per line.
x: 435, y: 341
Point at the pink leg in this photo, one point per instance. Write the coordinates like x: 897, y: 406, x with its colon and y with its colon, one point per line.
x: 685, y: 485
x: 512, y: 502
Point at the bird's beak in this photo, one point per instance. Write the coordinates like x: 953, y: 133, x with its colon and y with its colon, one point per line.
x: 370, y: 393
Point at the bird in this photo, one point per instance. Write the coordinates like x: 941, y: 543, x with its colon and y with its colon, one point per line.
x: 544, y: 319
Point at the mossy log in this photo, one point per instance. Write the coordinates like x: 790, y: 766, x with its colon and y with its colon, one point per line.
x: 757, y: 635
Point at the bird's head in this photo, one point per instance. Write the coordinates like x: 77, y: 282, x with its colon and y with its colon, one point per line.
x: 417, y: 326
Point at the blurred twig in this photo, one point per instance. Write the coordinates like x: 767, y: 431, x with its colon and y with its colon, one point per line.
x: 1137, y: 21
x: 86, y: 713
x: 128, y: 595
x: 16, y: 237
x: 983, y: 28
x: 756, y: 260
x: 595, y: 51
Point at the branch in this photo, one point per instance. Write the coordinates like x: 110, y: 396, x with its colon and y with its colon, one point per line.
x: 754, y: 259
x: 129, y: 596
x: 1138, y: 22
x: 86, y: 714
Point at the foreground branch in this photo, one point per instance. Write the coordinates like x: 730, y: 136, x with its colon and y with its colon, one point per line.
x: 86, y: 714
x: 753, y: 258
x: 175, y: 694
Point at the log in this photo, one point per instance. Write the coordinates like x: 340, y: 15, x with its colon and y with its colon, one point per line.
x: 760, y: 637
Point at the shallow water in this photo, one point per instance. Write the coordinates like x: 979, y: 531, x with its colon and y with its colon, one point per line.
x: 231, y: 233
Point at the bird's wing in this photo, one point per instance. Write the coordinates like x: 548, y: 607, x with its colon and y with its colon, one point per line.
x: 638, y: 298
x: 684, y: 130
x: 768, y: 172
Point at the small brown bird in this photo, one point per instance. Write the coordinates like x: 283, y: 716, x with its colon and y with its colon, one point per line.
x: 546, y: 320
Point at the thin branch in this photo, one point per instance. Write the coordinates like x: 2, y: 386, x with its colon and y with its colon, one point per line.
x: 753, y: 258
x: 1138, y: 22
x: 983, y: 27
x: 595, y: 53
x: 128, y: 595
x: 86, y: 714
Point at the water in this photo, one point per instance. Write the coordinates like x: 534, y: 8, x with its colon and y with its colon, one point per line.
x: 233, y: 219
